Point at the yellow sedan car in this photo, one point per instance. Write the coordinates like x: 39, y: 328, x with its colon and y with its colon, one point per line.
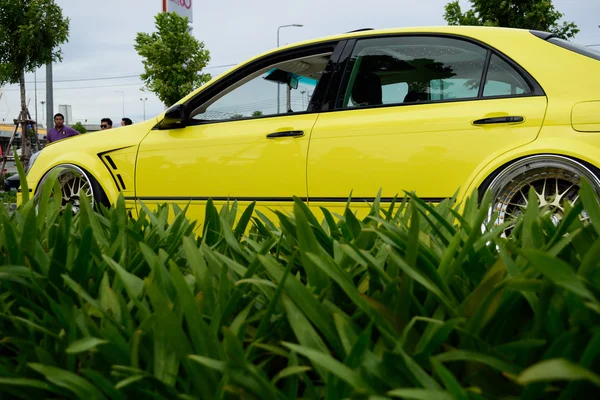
x: 433, y: 110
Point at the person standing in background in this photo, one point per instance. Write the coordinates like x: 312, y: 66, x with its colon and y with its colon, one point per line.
x: 60, y: 130
x: 105, y: 123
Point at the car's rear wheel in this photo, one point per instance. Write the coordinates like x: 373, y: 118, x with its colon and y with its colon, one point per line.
x: 555, y: 179
x: 75, y: 182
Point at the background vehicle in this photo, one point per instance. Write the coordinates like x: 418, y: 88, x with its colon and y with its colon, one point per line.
x: 430, y: 110
x: 11, y: 183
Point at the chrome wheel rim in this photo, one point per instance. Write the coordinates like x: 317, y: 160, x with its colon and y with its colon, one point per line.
x: 72, y: 180
x: 556, y: 181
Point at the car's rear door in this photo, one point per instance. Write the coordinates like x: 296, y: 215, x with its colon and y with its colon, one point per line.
x: 412, y: 114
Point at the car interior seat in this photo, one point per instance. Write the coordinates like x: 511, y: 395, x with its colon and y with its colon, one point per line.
x: 367, y: 90
x: 413, y: 97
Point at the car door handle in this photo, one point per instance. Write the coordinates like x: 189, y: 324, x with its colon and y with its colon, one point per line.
x: 285, y: 134
x: 498, y: 120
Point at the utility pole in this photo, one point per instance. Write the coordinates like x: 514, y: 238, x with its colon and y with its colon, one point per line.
x: 49, y: 96
x: 35, y: 130
x: 42, y: 103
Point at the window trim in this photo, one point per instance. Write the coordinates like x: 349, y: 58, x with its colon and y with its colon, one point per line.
x: 315, y: 103
x: 536, y: 88
x: 484, y: 73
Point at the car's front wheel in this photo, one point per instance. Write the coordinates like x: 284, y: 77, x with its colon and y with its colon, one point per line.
x: 555, y: 179
x: 75, y: 182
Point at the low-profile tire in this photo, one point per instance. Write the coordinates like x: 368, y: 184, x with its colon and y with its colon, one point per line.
x: 72, y: 179
x: 555, y: 179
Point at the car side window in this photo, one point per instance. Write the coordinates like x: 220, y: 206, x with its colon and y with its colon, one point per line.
x: 409, y: 69
x: 281, y: 88
x: 503, y: 80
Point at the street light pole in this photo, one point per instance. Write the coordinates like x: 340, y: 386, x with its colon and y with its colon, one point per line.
x: 42, y: 103
x: 143, y: 100
x: 278, y: 28
x: 35, y: 101
x: 123, y: 94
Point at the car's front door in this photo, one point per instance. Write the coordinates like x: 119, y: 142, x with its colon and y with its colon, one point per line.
x: 419, y: 113
x: 244, y: 139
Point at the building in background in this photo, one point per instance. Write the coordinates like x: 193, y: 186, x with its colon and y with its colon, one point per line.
x: 66, y: 110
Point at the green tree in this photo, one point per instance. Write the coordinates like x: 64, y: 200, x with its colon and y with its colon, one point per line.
x: 31, y: 32
x: 257, y: 113
x: 538, y: 15
x: 78, y: 126
x: 173, y: 58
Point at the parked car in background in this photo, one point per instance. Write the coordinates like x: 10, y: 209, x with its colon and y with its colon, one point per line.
x: 430, y: 110
x: 11, y: 183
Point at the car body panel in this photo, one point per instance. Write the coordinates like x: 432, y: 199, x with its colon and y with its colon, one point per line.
x: 226, y: 160
x: 121, y: 165
x: 580, y: 147
x: 401, y: 148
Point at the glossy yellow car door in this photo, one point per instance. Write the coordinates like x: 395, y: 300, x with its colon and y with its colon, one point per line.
x: 226, y: 161
x: 242, y: 139
x: 413, y: 115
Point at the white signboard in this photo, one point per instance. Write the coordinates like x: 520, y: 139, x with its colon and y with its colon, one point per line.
x: 181, y: 7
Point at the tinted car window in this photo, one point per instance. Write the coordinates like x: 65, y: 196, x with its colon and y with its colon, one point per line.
x: 258, y: 95
x: 394, y: 93
x: 503, y: 80
x: 402, y: 69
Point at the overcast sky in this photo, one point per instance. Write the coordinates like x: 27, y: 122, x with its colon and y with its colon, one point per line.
x: 102, y: 34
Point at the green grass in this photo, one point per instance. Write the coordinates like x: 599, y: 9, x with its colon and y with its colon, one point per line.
x: 8, y: 197
x: 413, y: 302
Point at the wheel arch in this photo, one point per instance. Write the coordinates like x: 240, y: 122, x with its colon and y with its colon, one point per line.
x: 94, y: 170
x: 483, y: 184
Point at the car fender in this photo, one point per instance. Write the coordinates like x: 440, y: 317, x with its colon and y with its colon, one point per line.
x: 91, y: 163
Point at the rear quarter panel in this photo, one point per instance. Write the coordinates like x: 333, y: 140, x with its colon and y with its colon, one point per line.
x: 567, y: 78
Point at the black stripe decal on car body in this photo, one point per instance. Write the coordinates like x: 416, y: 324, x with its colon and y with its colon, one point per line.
x: 121, y: 181
x: 283, y: 199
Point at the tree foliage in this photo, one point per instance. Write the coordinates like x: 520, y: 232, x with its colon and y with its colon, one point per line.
x: 78, y: 126
x: 31, y: 32
x: 527, y: 14
x: 173, y: 58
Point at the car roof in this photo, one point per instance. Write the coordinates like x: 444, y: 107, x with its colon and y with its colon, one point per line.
x: 450, y: 29
x: 469, y: 31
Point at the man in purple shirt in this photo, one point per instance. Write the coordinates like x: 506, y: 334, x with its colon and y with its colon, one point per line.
x: 60, y: 130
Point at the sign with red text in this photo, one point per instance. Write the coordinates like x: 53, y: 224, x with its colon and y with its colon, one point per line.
x: 181, y: 7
